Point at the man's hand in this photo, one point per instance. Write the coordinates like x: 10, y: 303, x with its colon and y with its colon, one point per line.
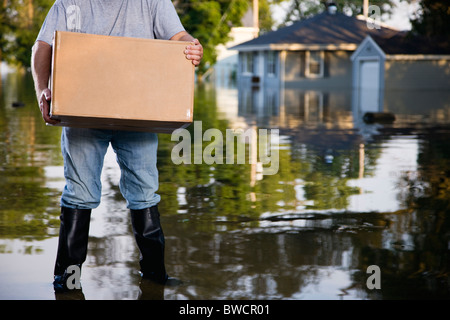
x: 41, y: 59
x: 44, y: 105
x: 194, y: 52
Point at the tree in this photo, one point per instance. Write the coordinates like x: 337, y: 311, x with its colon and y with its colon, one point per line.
x: 210, y: 22
x: 266, y: 22
x: 21, y: 21
x: 302, y: 9
x: 432, y: 19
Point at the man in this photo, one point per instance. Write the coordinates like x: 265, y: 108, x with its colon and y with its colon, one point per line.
x: 83, y: 150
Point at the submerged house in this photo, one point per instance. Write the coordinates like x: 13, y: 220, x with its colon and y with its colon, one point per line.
x: 312, y: 53
x: 315, y: 65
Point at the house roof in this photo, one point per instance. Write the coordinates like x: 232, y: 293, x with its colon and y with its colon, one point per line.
x: 404, y: 46
x: 323, y: 30
x: 404, y: 43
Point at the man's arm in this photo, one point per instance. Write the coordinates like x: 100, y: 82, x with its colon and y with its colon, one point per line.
x: 193, y: 52
x: 41, y: 59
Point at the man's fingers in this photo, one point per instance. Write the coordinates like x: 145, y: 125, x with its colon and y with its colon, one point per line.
x: 47, y: 95
x: 195, y: 59
x: 45, y: 110
x: 194, y: 52
x: 44, y: 106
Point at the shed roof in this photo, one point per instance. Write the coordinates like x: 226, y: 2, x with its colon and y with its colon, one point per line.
x: 336, y: 30
x: 405, y: 43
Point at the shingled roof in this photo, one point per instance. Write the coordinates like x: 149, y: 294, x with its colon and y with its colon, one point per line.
x: 324, y: 30
x: 404, y: 43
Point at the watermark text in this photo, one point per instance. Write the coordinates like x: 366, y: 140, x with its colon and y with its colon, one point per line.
x: 262, y: 147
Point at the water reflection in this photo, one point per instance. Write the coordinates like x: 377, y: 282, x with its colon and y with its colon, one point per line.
x: 347, y: 195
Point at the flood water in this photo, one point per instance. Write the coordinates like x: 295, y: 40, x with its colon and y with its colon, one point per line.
x: 347, y: 195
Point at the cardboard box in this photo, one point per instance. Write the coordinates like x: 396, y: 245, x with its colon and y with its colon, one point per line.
x: 121, y: 83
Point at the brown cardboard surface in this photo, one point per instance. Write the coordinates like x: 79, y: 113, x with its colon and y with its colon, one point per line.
x: 121, y: 83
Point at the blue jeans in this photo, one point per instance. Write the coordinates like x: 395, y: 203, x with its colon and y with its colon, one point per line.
x: 84, y: 151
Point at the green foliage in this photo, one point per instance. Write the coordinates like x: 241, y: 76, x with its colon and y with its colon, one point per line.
x: 21, y: 21
x: 433, y: 18
x: 266, y: 22
x: 210, y: 22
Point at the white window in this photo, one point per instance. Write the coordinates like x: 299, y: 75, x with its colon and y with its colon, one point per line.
x: 314, y: 64
x: 271, y: 63
x: 247, y: 62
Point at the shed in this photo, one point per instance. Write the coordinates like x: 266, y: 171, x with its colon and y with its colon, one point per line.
x: 383, y: 67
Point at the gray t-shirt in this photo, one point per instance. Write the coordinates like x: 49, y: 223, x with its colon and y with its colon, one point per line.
x: 151, y: 19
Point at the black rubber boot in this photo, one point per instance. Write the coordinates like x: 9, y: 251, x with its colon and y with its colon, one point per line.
x: 72, y: 245
x: 150, y: 241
